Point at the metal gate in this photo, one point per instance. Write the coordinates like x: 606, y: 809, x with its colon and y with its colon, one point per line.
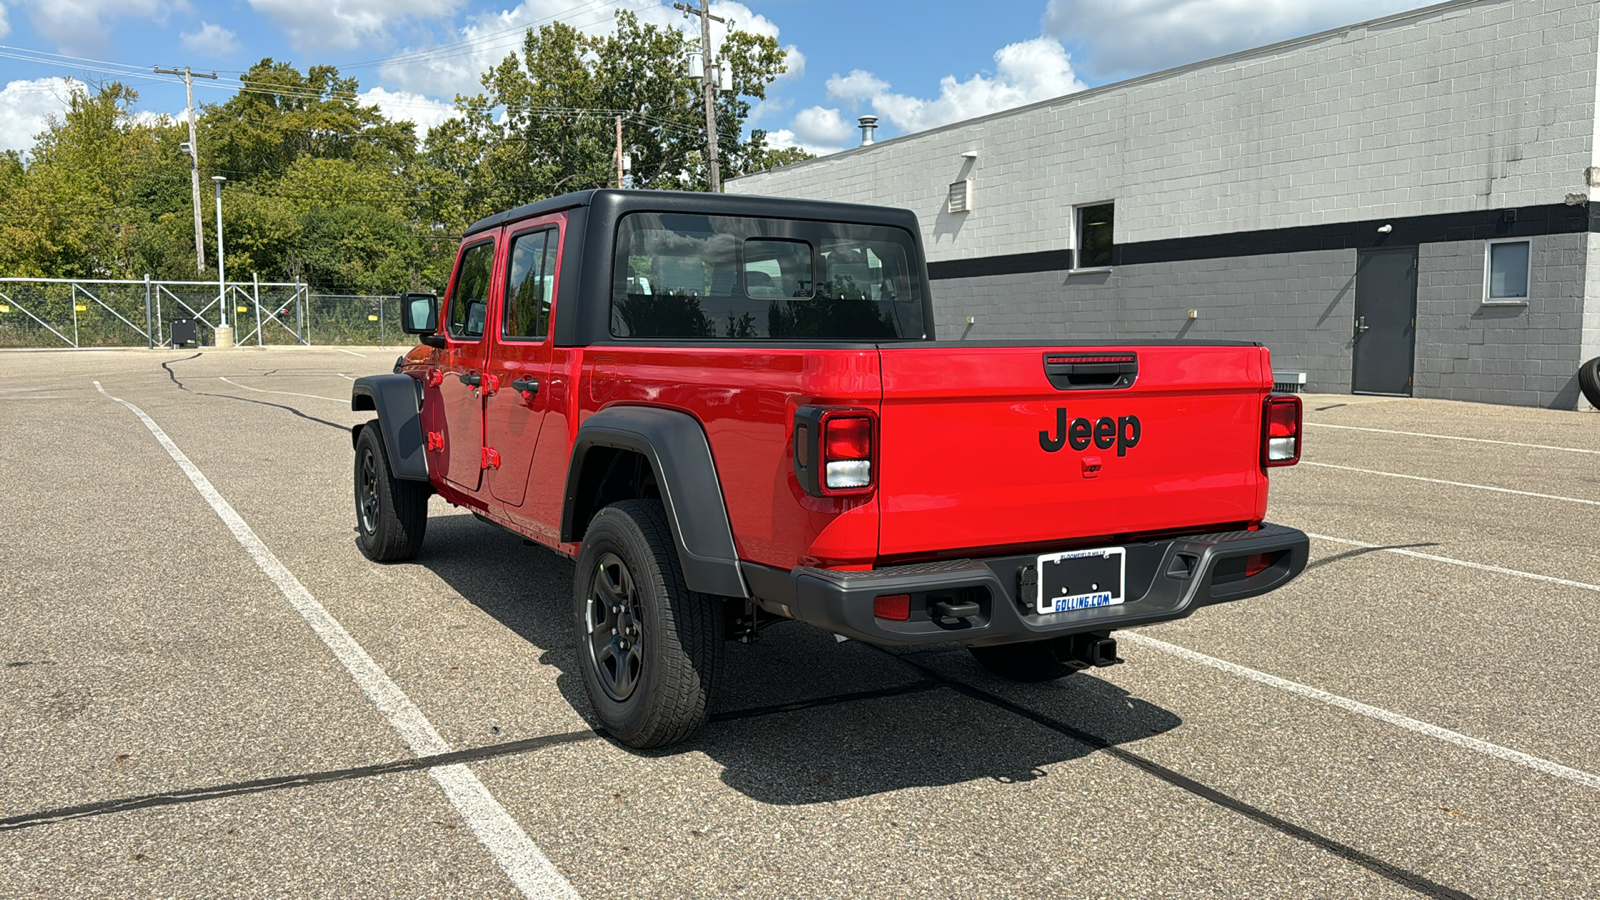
x: 82, y: 313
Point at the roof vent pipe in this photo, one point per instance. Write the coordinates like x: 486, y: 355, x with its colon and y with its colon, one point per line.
x: 869, y: 124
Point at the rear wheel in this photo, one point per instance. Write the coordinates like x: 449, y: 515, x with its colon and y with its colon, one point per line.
x: 649, y: 648
x: 1031, y: 661
x: 1589, y: 381
x: 391, y: 513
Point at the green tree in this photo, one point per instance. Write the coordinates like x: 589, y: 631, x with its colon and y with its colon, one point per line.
x: 282, y: 115
x: 545, y: 123
x: 73, y: 208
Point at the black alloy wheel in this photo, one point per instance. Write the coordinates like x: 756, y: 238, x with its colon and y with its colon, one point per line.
x: 391, y: 513
x: 616, y: 651
x: 367, y: 503
x: 649, y: 649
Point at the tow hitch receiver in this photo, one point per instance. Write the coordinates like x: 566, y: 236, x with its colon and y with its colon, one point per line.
x: 1085, y: 651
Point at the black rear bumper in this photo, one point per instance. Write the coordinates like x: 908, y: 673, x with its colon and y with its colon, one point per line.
x: 1166, y: 579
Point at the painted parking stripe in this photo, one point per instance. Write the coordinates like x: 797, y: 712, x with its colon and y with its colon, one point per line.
x: 1506, y: 754
x: 1482, y: 567
x: 351, y: 352
x: 1453, y: 437
x: 285, y: 393
x: 1460, y: 484
x: 512, y: 849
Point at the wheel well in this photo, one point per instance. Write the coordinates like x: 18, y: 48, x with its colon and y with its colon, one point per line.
x: 611, y: 474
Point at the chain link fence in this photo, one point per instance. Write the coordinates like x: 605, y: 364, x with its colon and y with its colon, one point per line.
x: 62, y: 312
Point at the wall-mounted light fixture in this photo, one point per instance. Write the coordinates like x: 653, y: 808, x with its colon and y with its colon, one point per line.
x: 969, y: 154
x: 1385, y: 229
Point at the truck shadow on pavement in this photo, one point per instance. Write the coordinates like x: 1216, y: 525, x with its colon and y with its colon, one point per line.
x: 800, y: 718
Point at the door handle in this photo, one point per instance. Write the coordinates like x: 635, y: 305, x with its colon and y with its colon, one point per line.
x: 471, y: 378
x: 526, y: 385
x: 1361, y: 324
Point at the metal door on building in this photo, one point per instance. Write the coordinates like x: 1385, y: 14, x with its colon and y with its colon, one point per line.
x: 1385, y: 344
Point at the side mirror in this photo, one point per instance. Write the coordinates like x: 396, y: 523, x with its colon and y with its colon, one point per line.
x: 419, y: 312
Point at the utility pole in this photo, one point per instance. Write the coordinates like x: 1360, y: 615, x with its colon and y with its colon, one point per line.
x: 193, y: 149
x: 708, y: 83
x: 619, y: 151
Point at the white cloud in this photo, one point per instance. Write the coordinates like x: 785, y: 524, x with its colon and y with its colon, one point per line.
x: 25, y: 107
x: 5, y: 26
x: 406, y: 106
x: 1130, y: 37
x: 78, y: 24
x: 210, y: 40
x: 346, y: 24
x: 784, y: 138
x: 859, y: 86
x: 488, y: 38
x: 819, y: 126
x: 1025, y: 72
x: 794, y: 64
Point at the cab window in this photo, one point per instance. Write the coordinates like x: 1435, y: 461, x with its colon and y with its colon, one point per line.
x: 530, y: 288
x: 469, y: 297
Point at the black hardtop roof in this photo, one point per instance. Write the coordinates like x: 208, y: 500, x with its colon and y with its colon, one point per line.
x: 619, y: 202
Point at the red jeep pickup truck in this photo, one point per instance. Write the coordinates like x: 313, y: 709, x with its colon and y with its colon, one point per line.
x: 732, y: 410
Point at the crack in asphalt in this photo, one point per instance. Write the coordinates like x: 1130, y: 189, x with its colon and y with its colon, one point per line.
x: 173, y: 375
x: 282, y: 406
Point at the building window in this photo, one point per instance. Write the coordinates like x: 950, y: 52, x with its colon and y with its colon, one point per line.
x: 1506, y: 271
x: 1094, y: 236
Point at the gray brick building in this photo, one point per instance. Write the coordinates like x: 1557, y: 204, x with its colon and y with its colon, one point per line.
x: 1396, y: 207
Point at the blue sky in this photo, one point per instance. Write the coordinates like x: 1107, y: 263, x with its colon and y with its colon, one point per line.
x: 916, y: 65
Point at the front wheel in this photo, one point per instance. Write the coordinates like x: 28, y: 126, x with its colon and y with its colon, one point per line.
x: 649, y: 648
x: 391, y: 513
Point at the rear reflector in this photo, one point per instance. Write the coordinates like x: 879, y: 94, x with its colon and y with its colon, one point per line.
x: 1256, y: 563
x: 896, y: 607
x: 1280, y: 431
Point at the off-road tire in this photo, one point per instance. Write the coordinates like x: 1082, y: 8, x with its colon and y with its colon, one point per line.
x: 674, y: 636
x: 391, y: 513
x: 1589, y: 381
x: 1032, y: 661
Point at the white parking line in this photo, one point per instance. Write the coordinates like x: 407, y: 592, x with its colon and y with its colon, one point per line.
x: 1516, y: 757
x: 1482, y: 567
x: 1462, y: 484
x: 344, y: 376
x: 1452, y: 437
x: 351, y: 352
x: 285, y: 393
x: 513, y: 851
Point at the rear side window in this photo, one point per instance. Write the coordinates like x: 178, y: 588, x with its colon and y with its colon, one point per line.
x: 531, y: 285
x: 739, y: 278
x: 469, y: 297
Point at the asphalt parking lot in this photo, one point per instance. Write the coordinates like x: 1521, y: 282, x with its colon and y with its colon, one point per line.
x: 187, y: 713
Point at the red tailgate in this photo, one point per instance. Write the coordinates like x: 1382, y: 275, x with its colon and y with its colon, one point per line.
x: 965, y: 458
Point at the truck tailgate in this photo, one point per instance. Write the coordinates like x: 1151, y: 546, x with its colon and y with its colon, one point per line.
x: 965, y: 458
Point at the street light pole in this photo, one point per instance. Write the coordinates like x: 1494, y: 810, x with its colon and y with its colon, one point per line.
x: 224, y: 332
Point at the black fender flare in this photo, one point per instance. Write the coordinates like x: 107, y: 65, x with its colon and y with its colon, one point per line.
x: 397, y: 399
x: 686, y: 474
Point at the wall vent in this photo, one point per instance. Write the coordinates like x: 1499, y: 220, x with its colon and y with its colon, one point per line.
x: 961, y: 196
x: 1288, y: 382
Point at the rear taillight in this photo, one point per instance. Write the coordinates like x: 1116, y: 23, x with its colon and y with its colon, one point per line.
x: 833, y: 450
x: 846, y: 453
x: 1280, y: 431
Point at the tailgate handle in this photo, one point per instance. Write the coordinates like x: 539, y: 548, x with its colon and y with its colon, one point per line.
x: 1089, y: 371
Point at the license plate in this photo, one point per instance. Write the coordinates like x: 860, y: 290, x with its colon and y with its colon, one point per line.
x: 1081, y: 579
